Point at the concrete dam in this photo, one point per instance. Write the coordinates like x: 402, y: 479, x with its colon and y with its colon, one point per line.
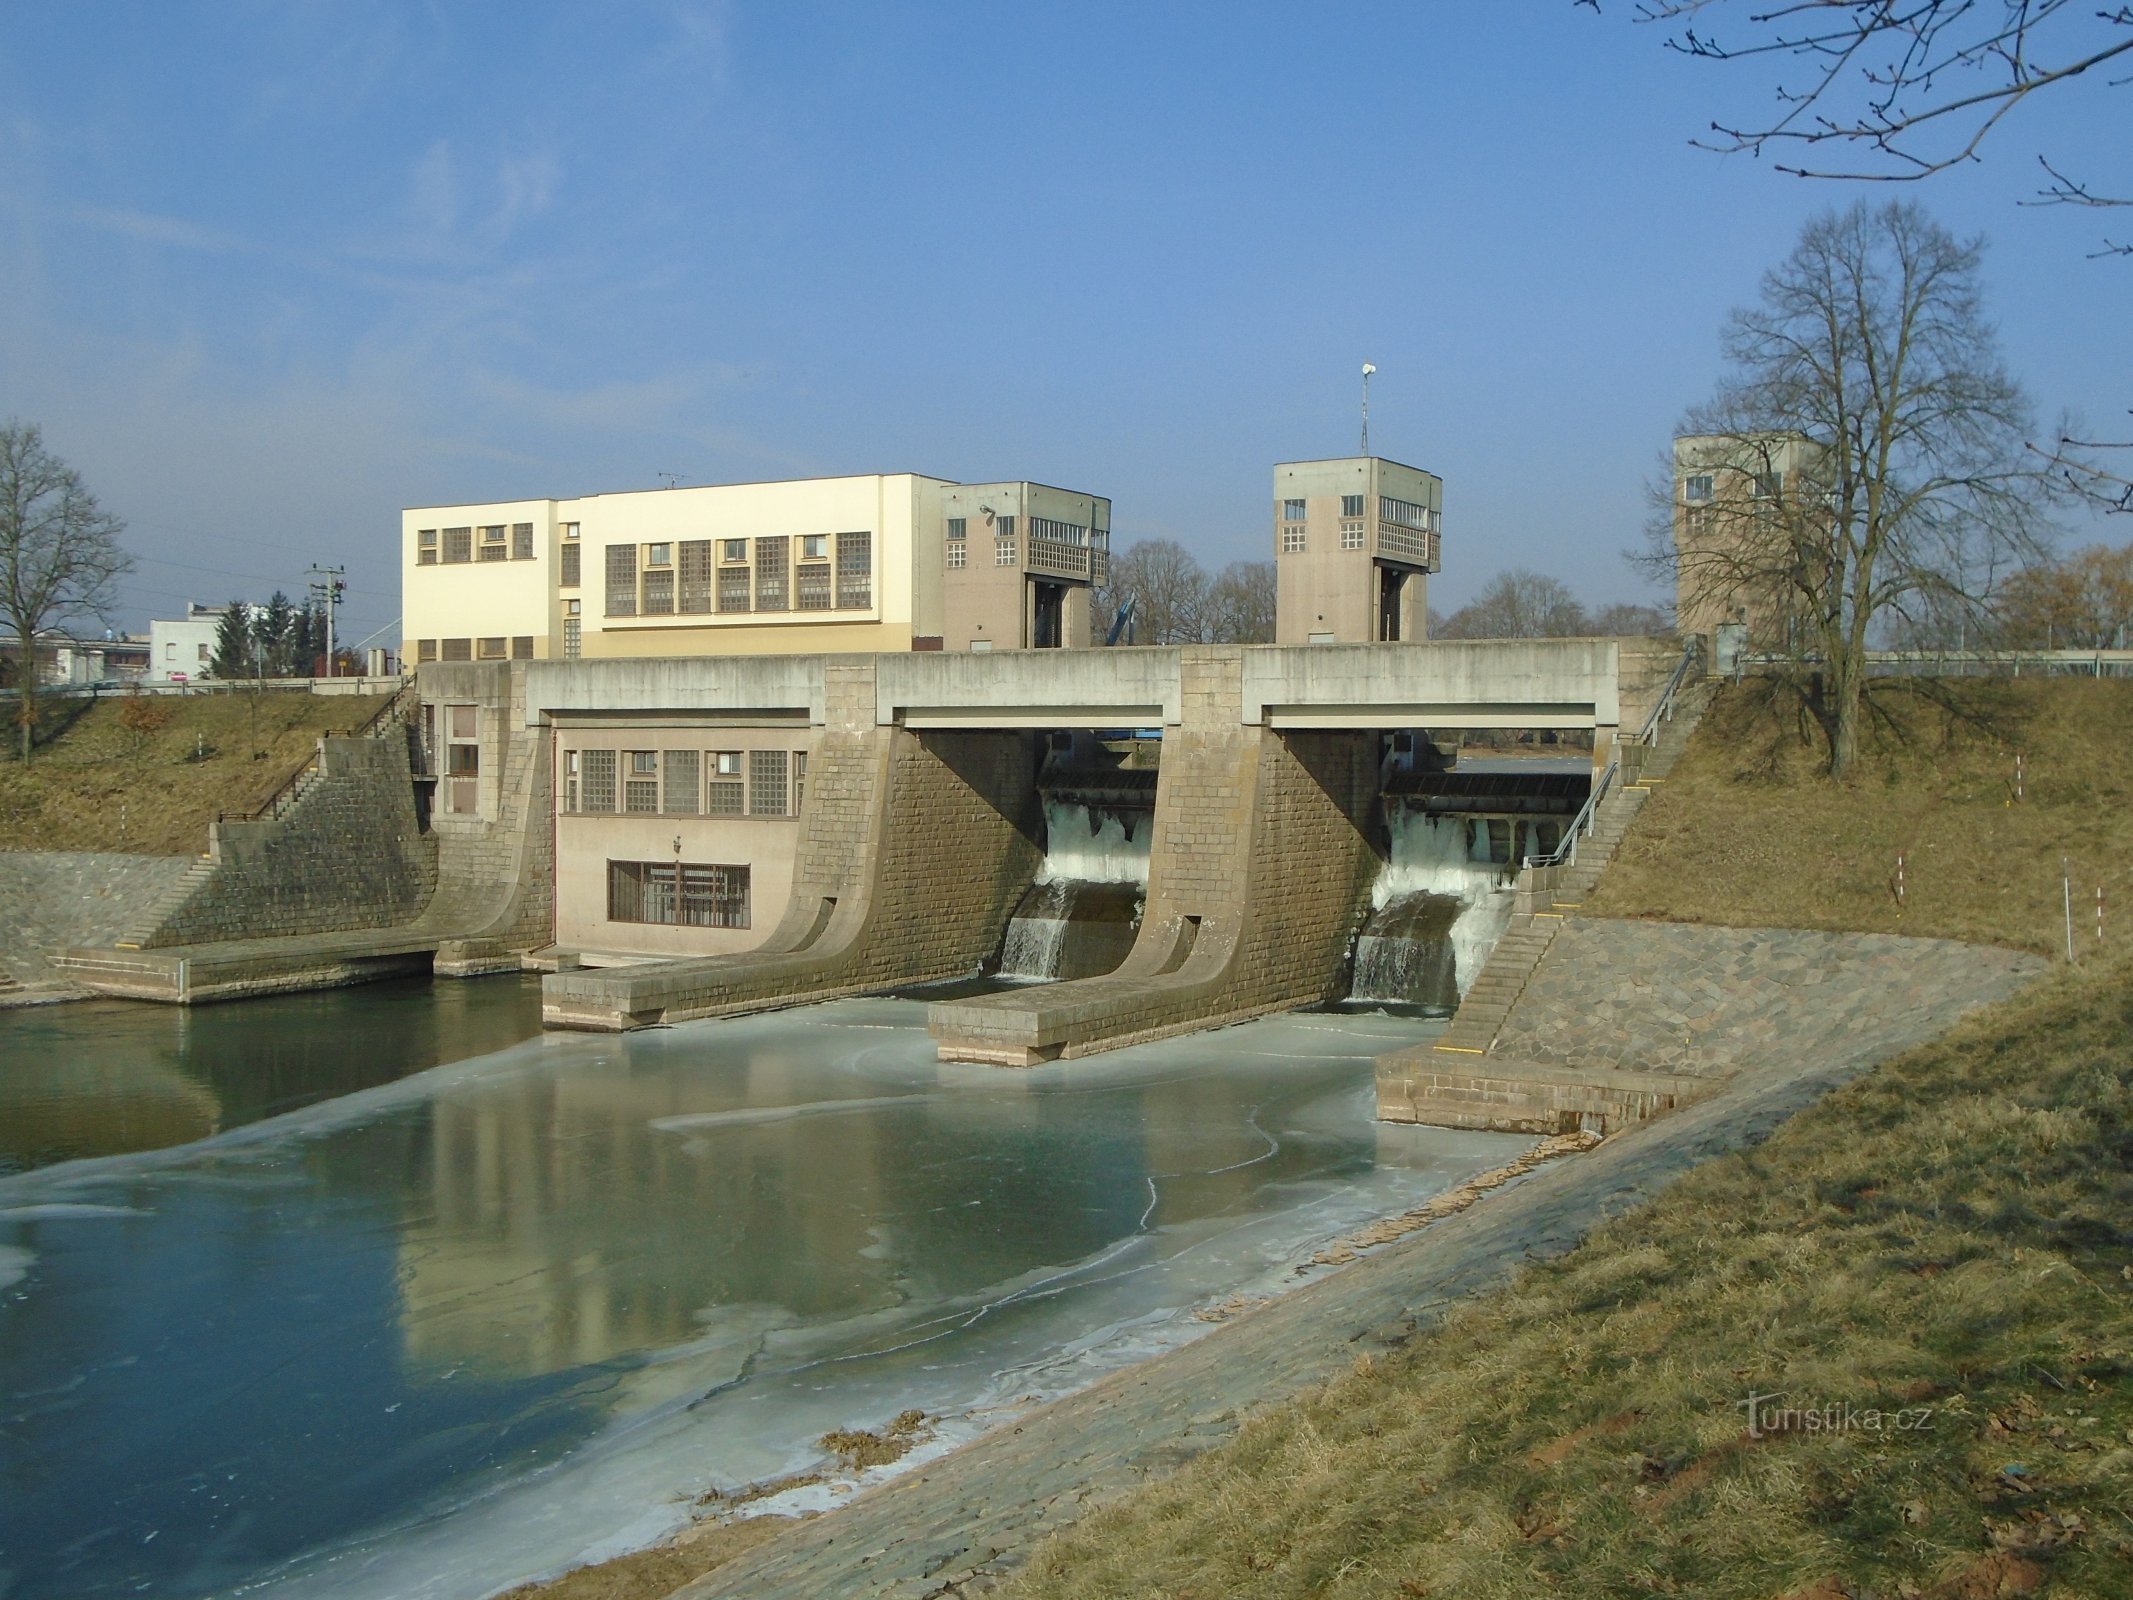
x: 1148, y: 840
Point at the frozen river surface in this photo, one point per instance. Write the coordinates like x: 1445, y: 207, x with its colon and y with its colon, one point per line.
x: 473, y: 1325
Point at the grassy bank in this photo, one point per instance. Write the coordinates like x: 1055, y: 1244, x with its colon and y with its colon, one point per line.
x: 1745, y: 833
x: 145, y: 775
x: 1946, y: 1242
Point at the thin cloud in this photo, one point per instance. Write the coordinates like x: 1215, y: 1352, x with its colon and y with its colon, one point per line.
x: 150, y: 228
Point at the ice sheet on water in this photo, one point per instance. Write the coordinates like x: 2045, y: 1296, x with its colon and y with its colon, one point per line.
x: 15, y: 1264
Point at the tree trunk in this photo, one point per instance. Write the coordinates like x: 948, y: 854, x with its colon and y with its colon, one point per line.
x: 28, y: 714
x: 1844, y: 723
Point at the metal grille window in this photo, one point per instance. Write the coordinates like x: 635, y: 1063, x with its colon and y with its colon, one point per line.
x: 678, y: 893
x: 768, y: 790
x: 659, y: 592
x: 683, y: 794
x: 811, y: 586
x: 771, y: 577
x: 458, y: 649
x: 640, y: 790
x: 732, y: 589
x: 1292, y: 511
x: 522, y: 647
x: 599, y: 780
x: 521, y: 541
x: 622, y: 580
x: 855, y: 571
x: 570, y: 558
x: 458, y: 544
x: 573, y: 638
x: 727, y: 792
x: 492, y: 543
x: 425, y: 650
x: 426, y: 548
x: 694, y: 596
x: 491, y: 649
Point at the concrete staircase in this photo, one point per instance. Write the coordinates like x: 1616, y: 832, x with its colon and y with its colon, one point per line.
x: 166, y: 905
x: 1504, y: 976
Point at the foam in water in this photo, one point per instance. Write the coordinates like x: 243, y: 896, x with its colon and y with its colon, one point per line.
x: 1433, y: 858
x: 1094, y: 847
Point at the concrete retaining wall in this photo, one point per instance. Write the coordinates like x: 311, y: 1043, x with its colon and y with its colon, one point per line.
x: 52, y: 899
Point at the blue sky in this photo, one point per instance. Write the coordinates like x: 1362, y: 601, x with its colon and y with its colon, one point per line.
x: 271, y: 271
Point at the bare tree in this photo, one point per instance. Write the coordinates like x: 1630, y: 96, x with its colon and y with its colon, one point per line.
x: 2082, y: 603
x: 59, y: 552
x: 1168, y: 590
x: 1627, y: 618
x: 1517, y: 605
x: 1862, y: 466
x: 1240, y: 604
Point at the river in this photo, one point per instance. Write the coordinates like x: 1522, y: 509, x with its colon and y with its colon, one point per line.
x: 405, y: 1298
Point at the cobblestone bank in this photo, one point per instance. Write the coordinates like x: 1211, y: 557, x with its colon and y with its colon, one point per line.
x: 52, y: 899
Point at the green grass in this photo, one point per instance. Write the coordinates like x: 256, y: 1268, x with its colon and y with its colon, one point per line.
x: 96, y: 784
x: 1745, y: 832
x: 1950, y: 1232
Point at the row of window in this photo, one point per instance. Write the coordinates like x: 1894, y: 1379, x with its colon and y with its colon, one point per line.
x: 684, y: 894
x: 518, y: 647
x: 771, y: 573
x: 1698, y: 488
x: 495, y: 542
x: 1404, y: 513
x: 685, y: 783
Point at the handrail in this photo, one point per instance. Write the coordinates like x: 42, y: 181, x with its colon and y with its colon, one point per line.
x: 1663, y: 708
x: 1566, y: 851
x: 373, y: 726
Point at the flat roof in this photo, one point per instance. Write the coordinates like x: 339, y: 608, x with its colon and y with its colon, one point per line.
x: 681, y: 488
x: 1329, y: 461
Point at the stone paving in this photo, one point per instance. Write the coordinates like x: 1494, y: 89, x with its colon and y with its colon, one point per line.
x: 1813, y: 1010
x: 51, y: 899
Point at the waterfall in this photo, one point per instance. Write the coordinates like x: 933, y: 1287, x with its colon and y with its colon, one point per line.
x: 1437, y: 910
x: 1080, y: 917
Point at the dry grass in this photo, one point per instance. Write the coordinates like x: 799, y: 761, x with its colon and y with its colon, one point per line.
x: 1746, y: 833
x: 99, y: 784
x: 659, y: 1571
x: 1952, y: 1232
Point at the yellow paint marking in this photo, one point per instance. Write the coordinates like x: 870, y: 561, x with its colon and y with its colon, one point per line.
x: 1460, y: 1049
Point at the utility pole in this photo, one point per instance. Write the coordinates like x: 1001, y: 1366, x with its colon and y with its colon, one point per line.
x: 326, y: 582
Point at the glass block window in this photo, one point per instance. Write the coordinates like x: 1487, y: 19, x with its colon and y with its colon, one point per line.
x: 768, y: 784
x: 659, y: 592
x: 1292, y: 539
x: 727, y: 793
x: 573, y: 638
x: 426, y: 548
x: 491, y: 649
x: 522, y: 647
x: 492, y: 543
x: 458, y: 649
x: 1351, y: 536
x: 732, y: 589
x: 958, y: 555
x: 599, y: 780
x: 811, y: 586
x: 571, y: 556
x: 855, y: 571
x: 684, y: 796
x: 771, y: 574
x: 693, y: 596
x: 425, y: 650
x: 521, y: 541
x: 622, y: 580
x: 458, y: 544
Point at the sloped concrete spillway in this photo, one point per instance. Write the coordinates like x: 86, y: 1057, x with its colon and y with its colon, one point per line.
x: 1081, y: 916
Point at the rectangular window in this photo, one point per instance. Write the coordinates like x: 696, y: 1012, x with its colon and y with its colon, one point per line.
x: 771, y: 574
x: 1003, y: 527
x: 573, y: 638
x: 458, y: 649
x: 659, y: 555
x: 811, y: 586
x: 768, y: 791
x: 1696, y: 489
x: 570, y: 780
x: 677, y: 893
x: 958, y: 527
x: 640, y: 790
x: 855, y: 571
x: 1058, y: 532
x: 732, y: 589
x: 1406, y: 514
x: 799, y: 779
x: 521, y: 541
x: 1292, y: 539
x: 659, y: 591
x: 1351, y: 505
x: 462, y: 763
x: 458, y: 544
x: 693, y: 586
x: 684, y: 795
x: 1351, y: 536
x: 425, y: 650
x: 814, y: 547
x: 570, y: 530
x: 622, y: 580
x: 1292, y: 511
x: 727, y: 793
x: 958, y: 555
x: 491, y: 649
x: 522, y: 647
x: 1769, y: 485
x: 734, y: 552
x: 426, y: 548
x: 569, y: 566
x: 1003, y: 549
x: 599, y: 780
x: 492, y: 543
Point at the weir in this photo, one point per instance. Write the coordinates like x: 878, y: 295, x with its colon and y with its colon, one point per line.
x: 682, y: 838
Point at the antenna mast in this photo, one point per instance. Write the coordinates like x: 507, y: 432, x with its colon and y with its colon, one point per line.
x: 1368, y: 369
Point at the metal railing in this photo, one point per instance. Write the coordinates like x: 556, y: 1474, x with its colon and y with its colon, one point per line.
x: 1960, y: 663
x: 1566, y: 851
x: 381, y: 723
x: 1663, y: 708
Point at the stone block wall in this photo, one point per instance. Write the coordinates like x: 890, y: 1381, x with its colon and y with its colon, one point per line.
x: 350, y: 853
x: 496, y: 869
x: 53, y: 899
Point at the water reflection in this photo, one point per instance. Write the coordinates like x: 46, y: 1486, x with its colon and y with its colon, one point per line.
x: 107, y: 1077
x: 327, y: 1351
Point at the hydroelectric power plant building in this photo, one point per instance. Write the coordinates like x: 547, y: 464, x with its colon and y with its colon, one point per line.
x: 698, y: 752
